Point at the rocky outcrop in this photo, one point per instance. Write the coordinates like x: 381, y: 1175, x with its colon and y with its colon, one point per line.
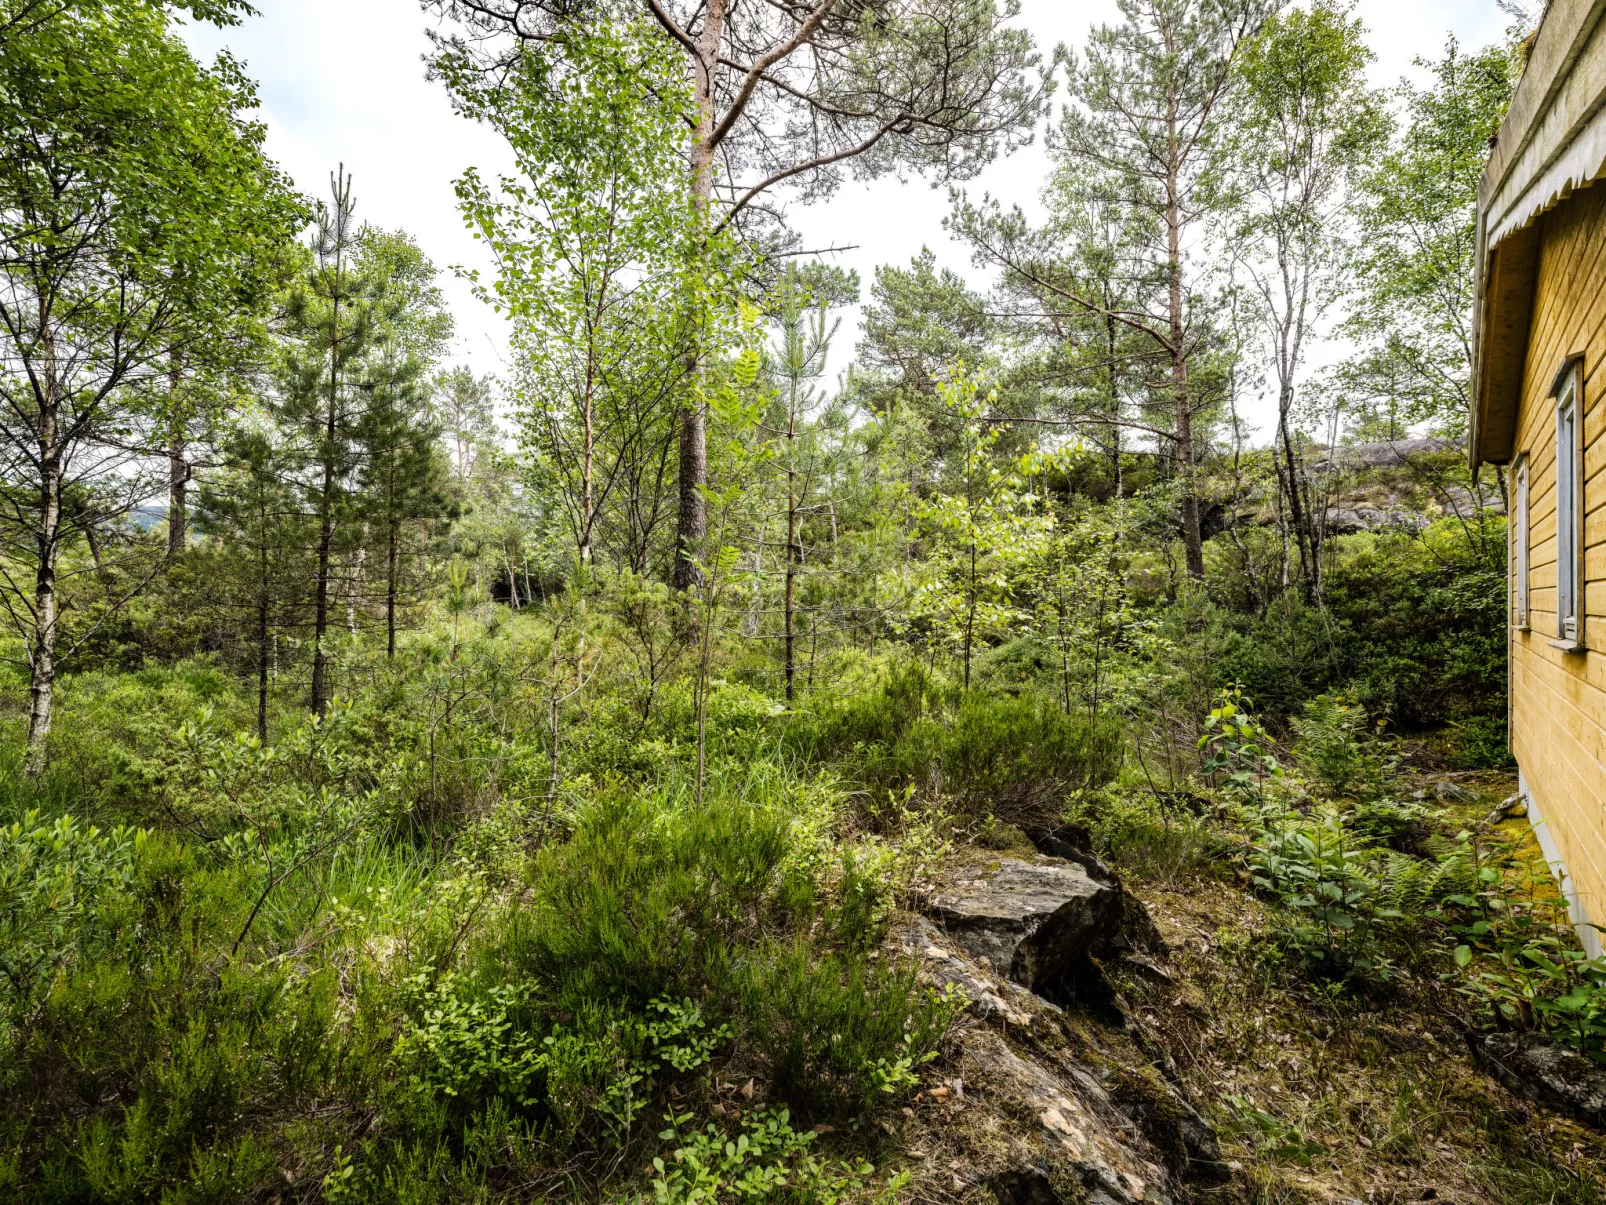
x: 1534, y: 1066
x: 1037, y: 924
x: 1396, y: 452
x: 1053, y: 1107
x: 1345, y: 521
x: 1389, y: 454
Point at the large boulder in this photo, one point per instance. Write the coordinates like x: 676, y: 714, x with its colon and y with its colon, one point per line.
x: 1035, y: 923
x: 1534, y: 1066
x: 1047, y: 1120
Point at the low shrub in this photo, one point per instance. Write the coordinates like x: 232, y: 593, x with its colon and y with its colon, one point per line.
x: 1014, y: 757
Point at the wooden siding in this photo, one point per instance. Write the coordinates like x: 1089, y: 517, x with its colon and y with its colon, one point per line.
x: 1558, y: 698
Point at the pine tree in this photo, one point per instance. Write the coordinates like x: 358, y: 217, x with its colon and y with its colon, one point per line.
x: 404, y: 481
x: 362, y: 328
x: 252, y: 505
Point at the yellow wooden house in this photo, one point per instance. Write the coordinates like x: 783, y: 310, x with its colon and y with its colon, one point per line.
x: 1540, y: 348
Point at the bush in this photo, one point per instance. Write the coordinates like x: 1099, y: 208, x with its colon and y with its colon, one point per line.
x: 1480, y: 743
x: 1012, y: 757
x: 839, y: 1031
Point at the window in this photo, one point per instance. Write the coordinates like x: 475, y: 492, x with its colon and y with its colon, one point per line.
x: 1569, y: 512
x: 1519, y: 543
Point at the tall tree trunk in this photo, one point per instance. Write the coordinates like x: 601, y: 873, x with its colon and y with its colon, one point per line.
x: 1192, y: 541
x: 692, y: 522
x: 178, y: 512
x: 178, y: 474
x: 320, y: 604
x: 970, y: 612
x: 392, y: 570
x: 326, y: 539
x: 264, y: 652
x: 359, y: 585
x: 588, y: 458
x: 792, y: 550
x: 326, y: 499
x: 1304, y: 534
x: 1115, y: 393
x: 93, y: 540
x: 42, y: 656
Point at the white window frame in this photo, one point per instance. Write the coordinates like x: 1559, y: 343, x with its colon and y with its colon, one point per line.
x: 1570, y: 606
x: 1519, y: 544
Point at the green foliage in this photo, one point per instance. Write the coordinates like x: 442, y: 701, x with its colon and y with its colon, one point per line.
x: 1346, y: 896
x: 842, y: 1032
x: 1329, y: 882
x: 1239, y: 751
x: 1418, y: 250
x: 599, y: 264
x: 1273, y: 1135
x: 54, y: 878
x: 1519, y: 956
x: 984, y: 532
x: 1332, y: 739
x: 767, y: 1159
x: 590, y: 1078
x: 144, y: 233
x: 1481, y: 744
x: 1016, y: 757
x: 1414, y: 628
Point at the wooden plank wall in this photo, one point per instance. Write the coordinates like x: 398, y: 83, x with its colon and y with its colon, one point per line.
x: 1558, y: 699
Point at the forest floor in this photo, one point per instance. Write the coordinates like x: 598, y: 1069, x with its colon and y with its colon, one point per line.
x: 1319, y: 1093
x: 1322, y: 1094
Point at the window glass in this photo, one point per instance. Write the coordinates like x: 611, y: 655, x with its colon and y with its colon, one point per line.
x: 1567, y: 509
x: 1519, y: 542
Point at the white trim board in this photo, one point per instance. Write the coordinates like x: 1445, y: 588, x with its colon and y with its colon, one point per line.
x: 1588, y: 935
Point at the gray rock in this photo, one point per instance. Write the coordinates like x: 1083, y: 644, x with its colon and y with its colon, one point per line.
x: 1074, y: 843
x: 1532, y: 1065
x: 1394, y: 453
x: 1344, y: 521
x: 989, y: 999
x: 1078, y: 1142
x: 1458, y: 500
x: 1124, y: 1131
x: 1035, y: 924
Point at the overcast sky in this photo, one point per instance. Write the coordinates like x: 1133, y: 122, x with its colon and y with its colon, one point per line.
x: 343, y: 81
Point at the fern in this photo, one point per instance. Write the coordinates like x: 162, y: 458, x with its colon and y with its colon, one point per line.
x: 1411, y: 885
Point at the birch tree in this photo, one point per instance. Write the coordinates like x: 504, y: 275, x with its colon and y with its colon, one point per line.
x: 1417, y: 250
x: 589, y: 243
x: 798, y: 95
x: 1304, y: 126
x: 140, y: 225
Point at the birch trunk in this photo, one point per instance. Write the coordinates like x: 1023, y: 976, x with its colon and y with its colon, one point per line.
x: 42, y: 654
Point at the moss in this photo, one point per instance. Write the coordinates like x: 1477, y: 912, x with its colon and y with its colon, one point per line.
x: 1151, y: 1103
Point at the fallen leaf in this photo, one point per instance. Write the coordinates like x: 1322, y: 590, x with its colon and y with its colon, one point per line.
x: 908, y: 1112
x: 747, y: 1090
x: 822, y: 1128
